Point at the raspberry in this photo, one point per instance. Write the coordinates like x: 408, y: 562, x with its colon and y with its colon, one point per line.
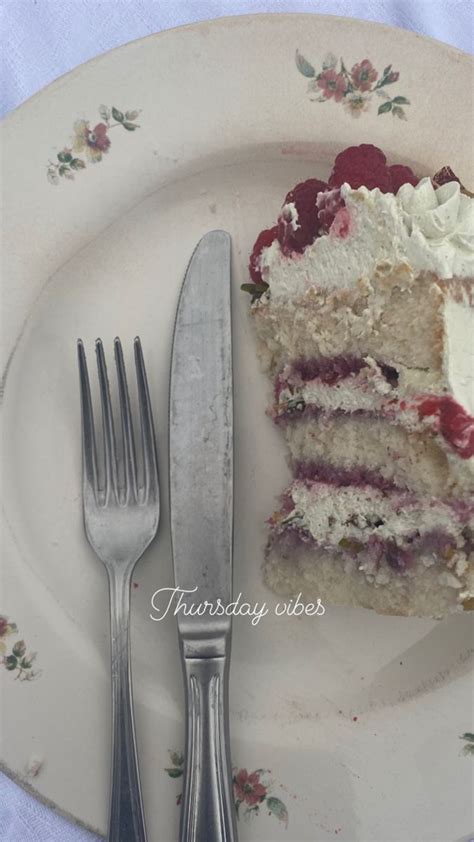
x: 343, y: 224
x: 446, y: 174
x: 366, y: 166
x: 453, y: 421
x: 443, y: 176
x: 264, y: 239
x: 401, y: 175
x: 303, y: 196
x: 361, y: 166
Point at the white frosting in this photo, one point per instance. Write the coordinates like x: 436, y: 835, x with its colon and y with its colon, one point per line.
x: 459, y: 351
x: 366, y: 390
x: 340, y: 396
x: 432, y: 230
x: 440, y: 224
x: 290, y: 214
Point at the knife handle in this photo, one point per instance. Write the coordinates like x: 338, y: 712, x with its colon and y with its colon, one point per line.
x: 208, y: 808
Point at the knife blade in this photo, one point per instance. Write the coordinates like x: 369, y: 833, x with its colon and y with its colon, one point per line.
x: 201, y: 501
x: 201, y: 444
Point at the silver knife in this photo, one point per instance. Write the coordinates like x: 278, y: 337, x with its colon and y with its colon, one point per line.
x: 201, y: 500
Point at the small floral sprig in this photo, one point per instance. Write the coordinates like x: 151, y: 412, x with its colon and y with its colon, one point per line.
x: 252, y: 794
x: 18, y: 660
x: 93, y: 142
x: 469, y: 740
x: 252, y: 790
x: 354, y: 88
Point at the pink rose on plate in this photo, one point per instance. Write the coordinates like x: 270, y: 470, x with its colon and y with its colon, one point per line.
x: 363, y: 74
x: 332, y: 84
x: 248, y: 787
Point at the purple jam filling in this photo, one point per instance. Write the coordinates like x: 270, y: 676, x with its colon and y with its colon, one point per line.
x: 326, y: 472
x: 330, y: 370
x: 396, y: 557
x: 437, y: 543
x: 313, y: 412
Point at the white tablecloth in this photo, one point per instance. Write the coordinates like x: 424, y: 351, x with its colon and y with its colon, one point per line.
x: 42, y: 39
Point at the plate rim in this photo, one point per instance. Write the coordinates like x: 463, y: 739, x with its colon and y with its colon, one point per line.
x: 214, y: 22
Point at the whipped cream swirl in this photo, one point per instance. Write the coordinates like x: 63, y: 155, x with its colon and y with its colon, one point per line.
x: 440, y: 225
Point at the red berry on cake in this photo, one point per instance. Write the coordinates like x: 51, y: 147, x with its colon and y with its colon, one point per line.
x: 401, y: 175
x: 298, y: 224
x: 264, y: 239
x: 361, y: 166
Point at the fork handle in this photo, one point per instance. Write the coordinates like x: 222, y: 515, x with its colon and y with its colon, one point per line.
x: 126, y: 817
x: 208, y: 809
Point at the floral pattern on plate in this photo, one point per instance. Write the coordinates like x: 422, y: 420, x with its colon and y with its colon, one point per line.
x: 18, y: 660
x: 469, y: 740
x: 90, y: 142
x: 353, y: 88
x: 252, y: 790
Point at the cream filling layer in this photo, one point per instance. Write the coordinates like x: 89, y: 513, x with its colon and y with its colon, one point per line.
x: 331, y: 515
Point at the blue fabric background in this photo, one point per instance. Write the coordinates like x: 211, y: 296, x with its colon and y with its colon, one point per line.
x: 41, y: 40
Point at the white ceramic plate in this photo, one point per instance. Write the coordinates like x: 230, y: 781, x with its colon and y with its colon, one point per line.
x: 357, y: 716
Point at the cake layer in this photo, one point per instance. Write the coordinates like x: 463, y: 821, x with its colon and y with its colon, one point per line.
x: 359, y: 444
x: 395, y: 317
x: 377, y: 538
x: 336, y: 579
x: 438, y: 417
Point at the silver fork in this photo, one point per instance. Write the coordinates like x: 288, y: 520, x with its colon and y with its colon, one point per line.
x: 121, y: 518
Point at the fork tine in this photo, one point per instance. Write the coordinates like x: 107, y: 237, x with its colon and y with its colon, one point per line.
x: 89, y: 453
x: 127, y: 425
x: 110, y: 459
x: 148, y: 434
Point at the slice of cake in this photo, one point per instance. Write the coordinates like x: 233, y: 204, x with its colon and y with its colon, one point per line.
x: 363, y: 304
